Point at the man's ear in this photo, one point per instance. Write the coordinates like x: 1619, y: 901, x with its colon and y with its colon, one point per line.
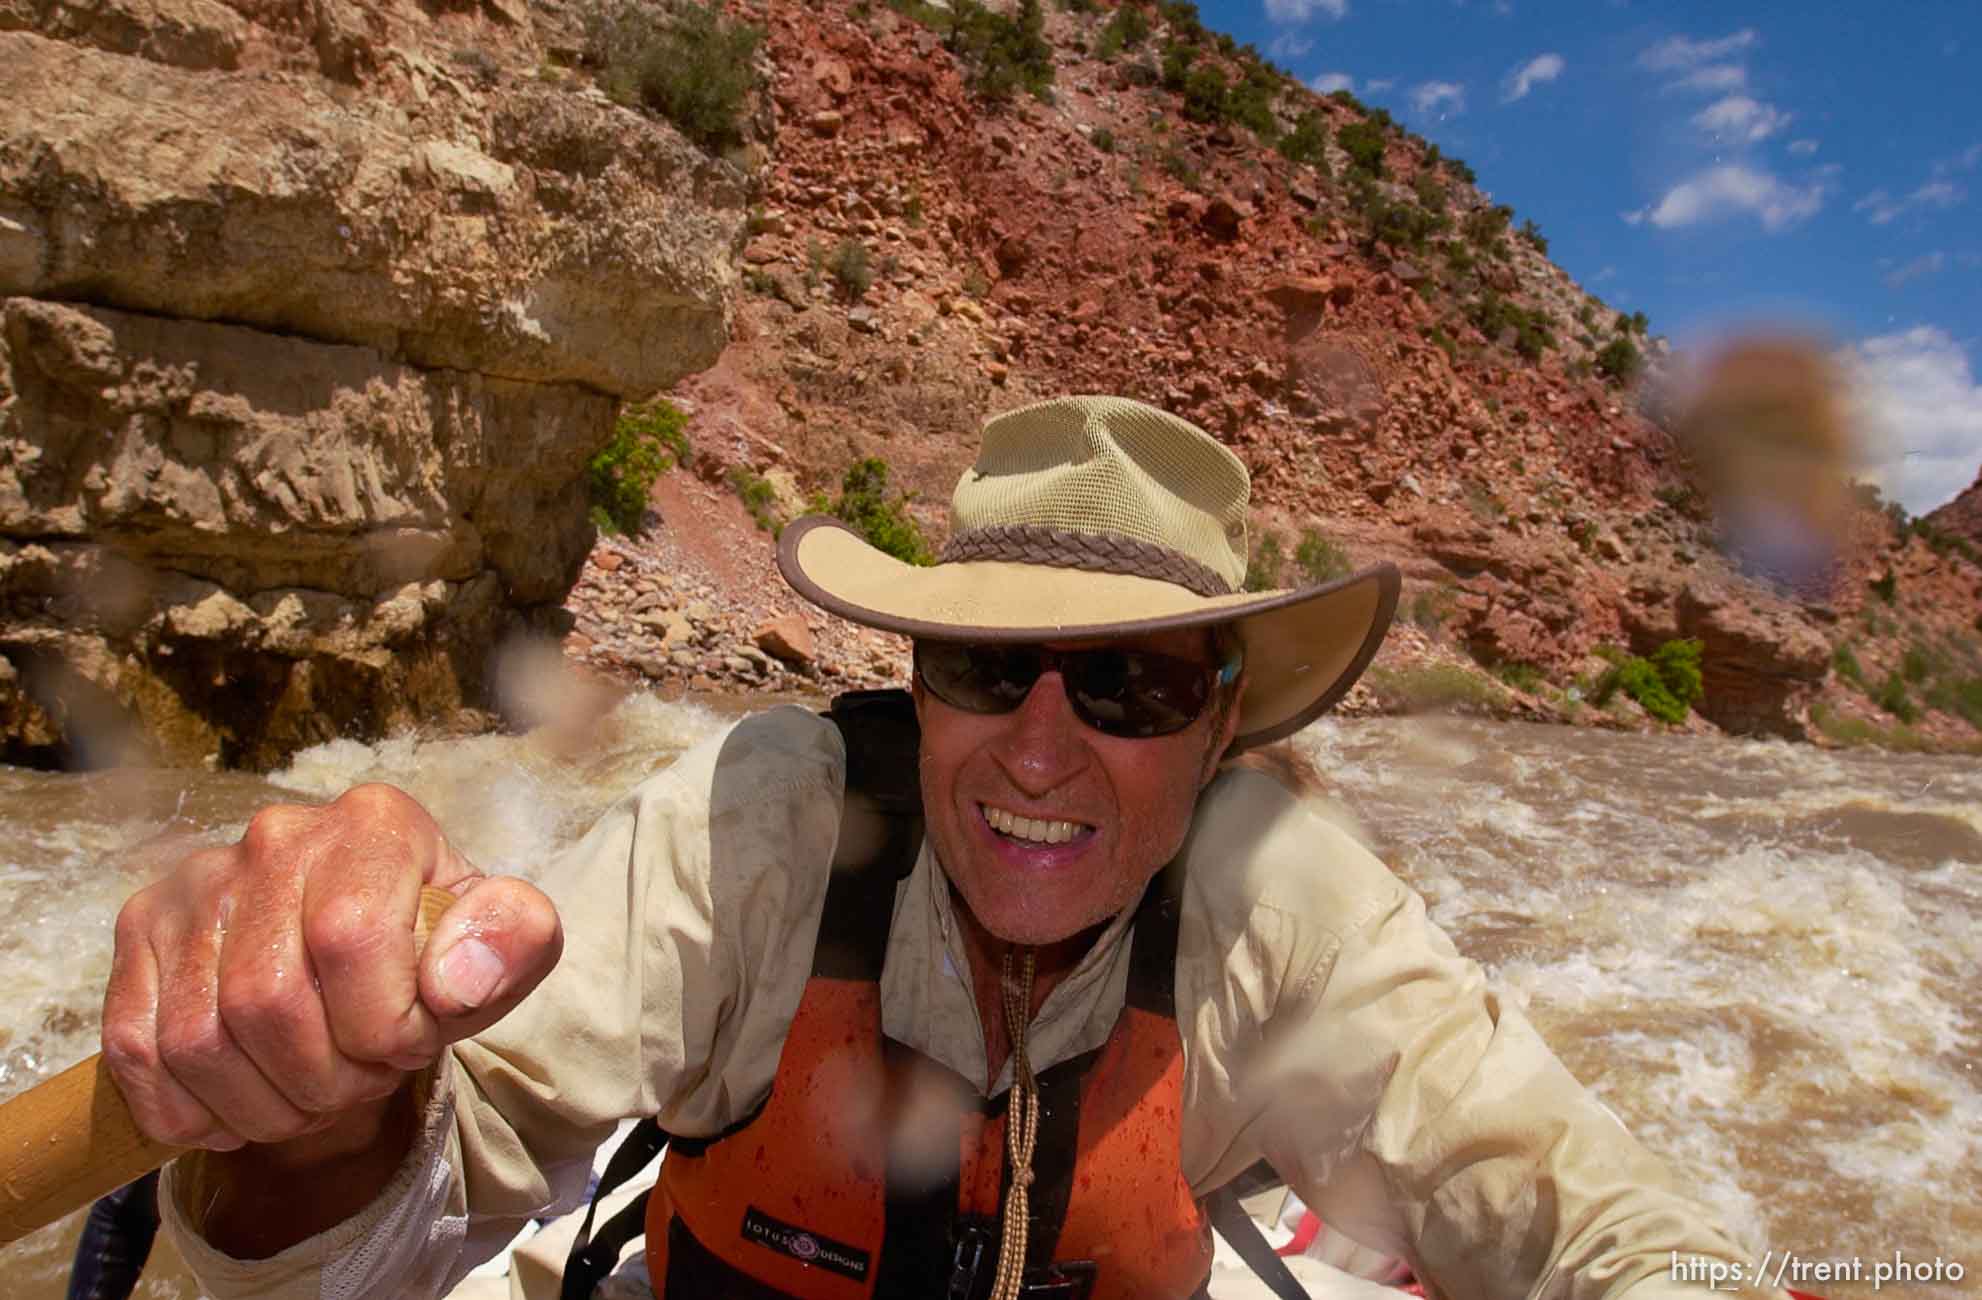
x: 1227, y: 728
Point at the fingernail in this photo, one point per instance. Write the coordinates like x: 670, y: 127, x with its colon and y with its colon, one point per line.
x: 470, y: 971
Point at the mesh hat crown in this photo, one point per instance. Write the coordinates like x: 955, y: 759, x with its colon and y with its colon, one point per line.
x: 1090, y: 518
x: 1106, y: 471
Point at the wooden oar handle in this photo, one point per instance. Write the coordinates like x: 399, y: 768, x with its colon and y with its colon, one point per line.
x: 66, y: 1142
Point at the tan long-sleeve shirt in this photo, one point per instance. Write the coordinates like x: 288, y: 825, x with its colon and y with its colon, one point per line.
x: 1327, y: 1027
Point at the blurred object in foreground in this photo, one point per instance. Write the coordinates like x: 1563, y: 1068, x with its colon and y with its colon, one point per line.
x: 538, y: 690
x: 1765, y: 421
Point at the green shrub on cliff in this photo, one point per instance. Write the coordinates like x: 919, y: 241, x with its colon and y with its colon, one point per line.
x: 1005, y: 54
x: 1485, y: 227
x: 1961, y: 697
x: 1363, y: 142
x: 695, y: 68
x: 884, y: 521
x: 1320, y: 559
x: 1844, y: 660
x: 647, y: 440
x: 1263, y: 569
x: 1620, y: 360
x: 1177, y: 59
x: 1307, y: 142
x: 1894, y: 699
x: 1125, y: 31
x: 1494, y: 315
x: 852, y: 270
x: 1667, y: 685
x: 1204, y: 95
x: 758, y: 497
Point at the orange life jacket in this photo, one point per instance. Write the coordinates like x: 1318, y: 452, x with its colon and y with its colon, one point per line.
x: 873, y: 1171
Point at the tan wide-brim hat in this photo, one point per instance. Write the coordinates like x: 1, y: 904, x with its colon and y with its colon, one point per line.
x: 1087, y: 518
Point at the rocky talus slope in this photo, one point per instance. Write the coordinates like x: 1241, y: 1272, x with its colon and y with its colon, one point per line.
x: 1963, y: 515
x: 1105, y: 242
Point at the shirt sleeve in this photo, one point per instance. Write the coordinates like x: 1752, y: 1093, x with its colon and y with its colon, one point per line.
x: 689, y: 913
x: 1345, y: 1040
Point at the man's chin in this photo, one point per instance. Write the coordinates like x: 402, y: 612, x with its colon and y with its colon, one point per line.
x: 1037, y: 922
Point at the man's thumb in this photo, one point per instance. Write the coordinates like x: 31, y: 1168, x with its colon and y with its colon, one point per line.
x: 494, y: 945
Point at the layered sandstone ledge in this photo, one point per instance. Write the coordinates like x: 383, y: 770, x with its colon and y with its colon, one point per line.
x: 307, y: 331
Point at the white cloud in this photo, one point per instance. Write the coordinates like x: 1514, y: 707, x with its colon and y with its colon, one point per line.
x: 1731, y: 190
x: 1881, y: 208
x: 1962, y: 162
x: 1608, y: 273
x: 1541, y: 68
x: 1293, y: 12
x: 1921, y: 410
x: 1377, y: 85
x: 1435, y: 96
x: 1803, y: 148
x: 1740, y: 119
x: 1330, y: 82
x: 1927, y: 264
x: 1880, y: 205
x: 1714, y: 79
x: 1676, y: 53
x: 1289, y: 46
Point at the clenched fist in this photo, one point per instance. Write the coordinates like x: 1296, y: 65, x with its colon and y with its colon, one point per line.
x: 269, y: 991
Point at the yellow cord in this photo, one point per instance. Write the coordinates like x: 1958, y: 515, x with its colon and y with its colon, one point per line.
x: 1021, y: 1127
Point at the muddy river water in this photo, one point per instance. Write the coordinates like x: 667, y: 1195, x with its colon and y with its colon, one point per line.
x: 1764, y: 957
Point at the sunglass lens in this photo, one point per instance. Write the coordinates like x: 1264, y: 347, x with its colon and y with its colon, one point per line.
x: 1131, y: 693
x: 980, y: 678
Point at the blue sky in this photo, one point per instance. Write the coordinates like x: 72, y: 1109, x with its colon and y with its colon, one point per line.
x: 1717, y: 166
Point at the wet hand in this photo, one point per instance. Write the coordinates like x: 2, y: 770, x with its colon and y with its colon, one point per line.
x: 269, y: 991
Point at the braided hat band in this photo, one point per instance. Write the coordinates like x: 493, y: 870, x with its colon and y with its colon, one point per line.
x: 1091, y: 518
x: 1095, y: 552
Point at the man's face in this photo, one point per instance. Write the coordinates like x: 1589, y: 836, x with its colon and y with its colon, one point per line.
x: 1129, y: 801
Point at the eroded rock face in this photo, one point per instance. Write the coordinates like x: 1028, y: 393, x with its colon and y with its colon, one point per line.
x: 235, y: 533
x: 553, y: 238
x: 257, y: 461
x: 305, y: 340
x: 1761, y: 662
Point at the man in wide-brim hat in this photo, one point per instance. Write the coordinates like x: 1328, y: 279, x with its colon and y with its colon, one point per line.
x: 1072, y: 975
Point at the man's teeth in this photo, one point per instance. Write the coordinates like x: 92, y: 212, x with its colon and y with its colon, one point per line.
x: 1030, y: 828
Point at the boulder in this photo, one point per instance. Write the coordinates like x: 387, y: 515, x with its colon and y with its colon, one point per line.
x: 573, y: 242
x: 786, y: 638
x: 256, y: 461
x: 1761, y: 661
x: 1300, y: 293
x: 183, y: 33
x: 1223, y: 217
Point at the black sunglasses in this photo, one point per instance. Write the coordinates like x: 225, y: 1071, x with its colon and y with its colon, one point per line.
x: 1128, y: 693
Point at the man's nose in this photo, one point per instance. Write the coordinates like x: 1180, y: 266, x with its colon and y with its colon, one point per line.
x: 1043, y: 746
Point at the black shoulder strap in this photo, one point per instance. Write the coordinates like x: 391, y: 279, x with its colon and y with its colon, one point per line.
x: 592, y: 1258
x: 883, y: 745
x: 1238, y: 1228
